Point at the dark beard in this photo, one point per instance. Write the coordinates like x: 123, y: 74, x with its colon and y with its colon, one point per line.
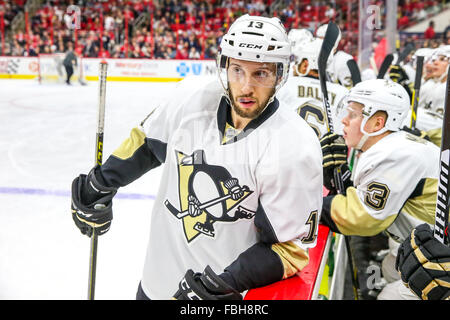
x: 252, y: 114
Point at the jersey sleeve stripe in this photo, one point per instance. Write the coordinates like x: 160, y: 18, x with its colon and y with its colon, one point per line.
x: 351, y: 217
x: 293, y: 257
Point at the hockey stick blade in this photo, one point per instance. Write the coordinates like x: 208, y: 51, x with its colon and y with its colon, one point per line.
x: 354, y: 71
x: 385, y: 65
x: 406, y: 51
x: 442, y: 202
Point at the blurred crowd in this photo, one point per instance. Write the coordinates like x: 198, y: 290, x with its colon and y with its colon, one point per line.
x: 170, y: 29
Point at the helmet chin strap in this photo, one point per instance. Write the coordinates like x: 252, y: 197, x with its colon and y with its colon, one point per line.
x: 366, y: 135
x: 361, y: 142
x: 442, y: 77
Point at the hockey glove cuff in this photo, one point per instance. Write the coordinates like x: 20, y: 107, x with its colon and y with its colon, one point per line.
x: 424, y: 264
x: 205, y: 286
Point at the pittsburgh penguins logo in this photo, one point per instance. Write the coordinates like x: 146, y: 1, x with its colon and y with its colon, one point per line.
x: 207, y: 194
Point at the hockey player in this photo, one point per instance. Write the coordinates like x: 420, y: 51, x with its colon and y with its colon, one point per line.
x: 337, y: 63
x: 70, y: 60
x: 432, y: 93
x: 297, y: 36
x: 241, y: 189
x: 410, y: 67
x: 302, y: 91
x: 395, y: 182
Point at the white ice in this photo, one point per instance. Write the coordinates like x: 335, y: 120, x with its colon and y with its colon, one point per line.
x: 47, y: 138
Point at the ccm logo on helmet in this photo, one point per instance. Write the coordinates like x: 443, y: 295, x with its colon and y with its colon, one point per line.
x: 249, y: 45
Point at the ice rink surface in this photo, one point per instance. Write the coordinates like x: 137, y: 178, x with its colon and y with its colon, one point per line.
x: 47, y: 138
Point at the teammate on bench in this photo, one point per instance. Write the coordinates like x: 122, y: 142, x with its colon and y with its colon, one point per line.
x: 395, y: 182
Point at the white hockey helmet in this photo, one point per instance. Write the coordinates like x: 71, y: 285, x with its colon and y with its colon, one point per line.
x: 307, y: 50
x: 297, y: 36
x: 378, y: 95
x: 320, y: 33
x: 441, y: 51
x: 257, y: 39
x: 425, y: 52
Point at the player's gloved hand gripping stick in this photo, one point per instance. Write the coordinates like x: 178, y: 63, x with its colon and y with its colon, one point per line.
x: 328, y: 44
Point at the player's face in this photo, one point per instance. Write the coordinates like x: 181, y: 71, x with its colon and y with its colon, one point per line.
x: 352, y: 124
x: 428, y: 70
x: 251, y: 85
x: 440, y: 65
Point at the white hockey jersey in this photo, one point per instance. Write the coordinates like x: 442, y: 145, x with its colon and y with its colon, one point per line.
x: 432, y: 96
x: 395, y: 188
x: 304, y: 96
x: 276, y: 161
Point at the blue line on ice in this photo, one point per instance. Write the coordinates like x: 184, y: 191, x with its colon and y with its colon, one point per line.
x: 64, y: 193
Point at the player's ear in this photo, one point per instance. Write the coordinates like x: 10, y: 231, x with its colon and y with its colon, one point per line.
x: 377, y: 121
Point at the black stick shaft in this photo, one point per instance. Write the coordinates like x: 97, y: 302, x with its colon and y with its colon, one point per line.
x: 327, y: 46
x: 98, y: 161
x: 442, y: 205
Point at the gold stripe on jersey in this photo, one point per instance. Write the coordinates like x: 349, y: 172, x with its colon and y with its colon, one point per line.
x: 423, y: 206
x: 184, y: 172
x: 435, y: 136
x: 292, y: 256
x: 130, y: 145
x: 229, y: 133
x: 351, y: 217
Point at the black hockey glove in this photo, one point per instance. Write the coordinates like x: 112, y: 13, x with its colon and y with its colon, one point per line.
x: 424, y: 264
x: 418, y: 133
x: 205, y: 286
x: 335, y: 153
x: 91, y: 204
x: 398, y: 74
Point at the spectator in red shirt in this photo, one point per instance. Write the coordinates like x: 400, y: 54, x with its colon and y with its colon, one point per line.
x: 429, y: 33
x: 403, y: 22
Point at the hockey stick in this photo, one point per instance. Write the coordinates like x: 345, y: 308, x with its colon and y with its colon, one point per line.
x: 329, y: 40
x: 416, y: 91
x: 390, y: 57
x: 98, y: 161
x: 328, y: 43
x: 204, y: 205
x: 385, y: 65
x: 406, y: 51
x: 442, y: 202
x: 354, y: 71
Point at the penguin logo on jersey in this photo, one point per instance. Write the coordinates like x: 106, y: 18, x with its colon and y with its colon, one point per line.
x: 207, y: 194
